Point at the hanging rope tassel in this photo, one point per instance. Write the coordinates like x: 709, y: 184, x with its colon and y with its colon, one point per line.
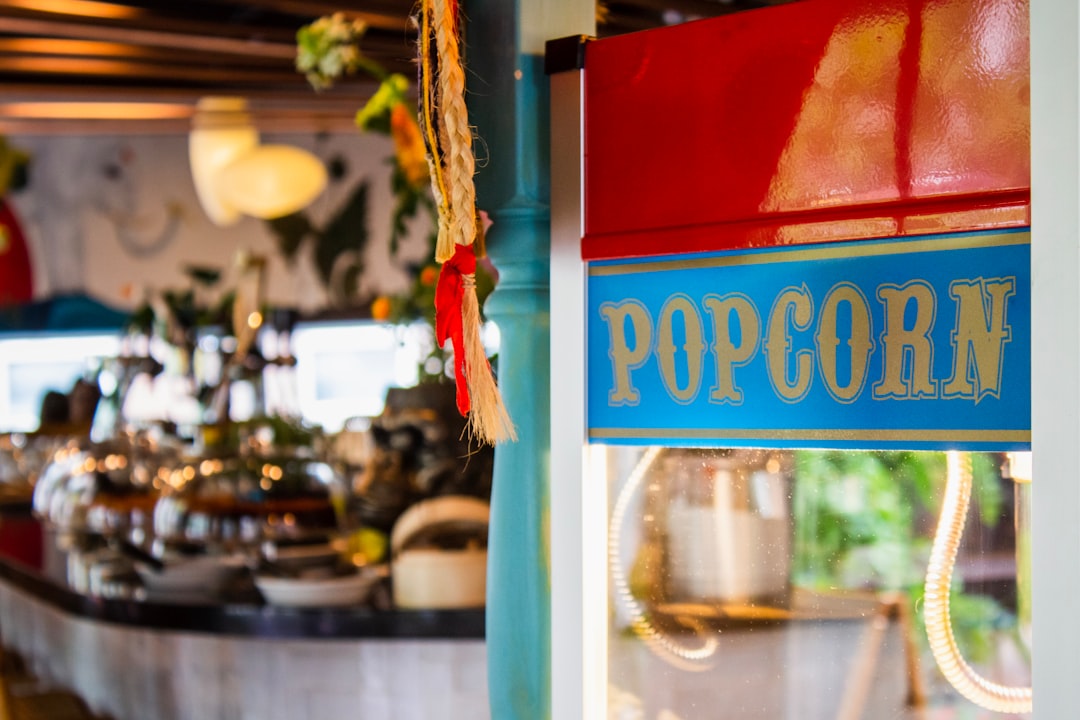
x: 445, y: 124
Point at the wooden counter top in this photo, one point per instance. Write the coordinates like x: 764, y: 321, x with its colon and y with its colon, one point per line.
x: 251, y: 620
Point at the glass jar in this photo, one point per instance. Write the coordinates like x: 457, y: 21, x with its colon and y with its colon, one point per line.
x: 240, y: 502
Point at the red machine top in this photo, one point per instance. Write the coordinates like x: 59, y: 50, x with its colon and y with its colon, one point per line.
x: 818, y: 121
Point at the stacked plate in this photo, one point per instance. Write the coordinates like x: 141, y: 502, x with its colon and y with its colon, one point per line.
x: 336, y: 591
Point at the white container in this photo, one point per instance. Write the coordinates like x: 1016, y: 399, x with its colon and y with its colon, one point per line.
x: 429, y: 577
x: 728, y: 537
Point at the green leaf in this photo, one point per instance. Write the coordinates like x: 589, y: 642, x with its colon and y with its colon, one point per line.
x: 352, y: 280
x: 375, y: 115
x: 976, y: 620
x: 223, y: 311
x: 986, y: 486
x: 13, y: 167
x: 289, y: 231
x: 142, y: 319
x: 203, y: 275
x: 347, y: 231
x: 406, y: 204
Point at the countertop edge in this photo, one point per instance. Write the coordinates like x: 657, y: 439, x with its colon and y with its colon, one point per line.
x: 251, y: 620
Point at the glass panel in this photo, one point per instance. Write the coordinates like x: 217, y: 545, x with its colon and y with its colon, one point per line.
x: 31, y: 366
x: 789, y: 584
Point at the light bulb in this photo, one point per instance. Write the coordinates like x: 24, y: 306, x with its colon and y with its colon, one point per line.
x: 272, y: 181
x: 221, y: 133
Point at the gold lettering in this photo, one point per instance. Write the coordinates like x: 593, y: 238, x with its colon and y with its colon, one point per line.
x: 728, y: 355
x: 694, y: 347
x: 978, y: 340
x: 623, y: 358
x: 793, y: 307
x: 860, y: 344
x: 908, y: 353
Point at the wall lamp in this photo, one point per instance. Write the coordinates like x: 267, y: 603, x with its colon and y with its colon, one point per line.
x: 235, y: 175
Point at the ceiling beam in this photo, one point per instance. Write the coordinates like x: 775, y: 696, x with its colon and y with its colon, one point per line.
x: 154, y: 38
x: 65, y: 47
x: 79, y: 8
x: 306, y: 125
x: 379, y: 14
x: 172, y: 23
x: 342, y: 100
x: 128, y: 70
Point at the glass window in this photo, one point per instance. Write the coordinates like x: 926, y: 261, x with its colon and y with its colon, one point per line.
x: 789, y: 584
x: 344, y: 369
x: 31, y: 366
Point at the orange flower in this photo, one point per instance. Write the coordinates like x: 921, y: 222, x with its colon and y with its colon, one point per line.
x: 429, y: 275
x: 408, y: 145
x: 380, y: 308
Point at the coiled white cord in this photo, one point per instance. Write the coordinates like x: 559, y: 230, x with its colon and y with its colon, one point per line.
x: 977, y: 689
x: 694, y: 659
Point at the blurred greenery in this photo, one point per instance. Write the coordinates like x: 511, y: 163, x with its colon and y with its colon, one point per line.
x: 863, y: 520
x: 329, y: 48
x: 14, y: 167
x: 344, y: 237
x: 408, y: 201
x: 178, y: 312
x: 375, y: 115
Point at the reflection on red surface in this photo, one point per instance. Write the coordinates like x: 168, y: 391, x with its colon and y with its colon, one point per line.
x: 816, y: 121
x: 21, y: 540
x: 16, y: 278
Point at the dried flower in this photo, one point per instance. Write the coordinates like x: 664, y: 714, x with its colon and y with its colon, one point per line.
x: 329, y: 48
x: 408, y: 145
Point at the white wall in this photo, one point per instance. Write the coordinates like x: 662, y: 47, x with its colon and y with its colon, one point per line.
x: 71, y: 213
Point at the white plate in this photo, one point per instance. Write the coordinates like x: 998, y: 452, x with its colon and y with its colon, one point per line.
x: 323, y: 592
x: 201, y: 575
x: 299, y: 557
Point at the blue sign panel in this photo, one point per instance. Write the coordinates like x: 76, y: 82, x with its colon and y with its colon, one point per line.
x: 918, y: 343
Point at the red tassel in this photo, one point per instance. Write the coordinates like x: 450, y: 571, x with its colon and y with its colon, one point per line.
x: 449, y: 292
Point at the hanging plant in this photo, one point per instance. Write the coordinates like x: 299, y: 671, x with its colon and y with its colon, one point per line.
x: 327, y: 50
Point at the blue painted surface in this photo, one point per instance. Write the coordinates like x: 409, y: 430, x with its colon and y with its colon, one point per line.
x: 971, y: 400
x: 510, y: 111
x: 61, y: 313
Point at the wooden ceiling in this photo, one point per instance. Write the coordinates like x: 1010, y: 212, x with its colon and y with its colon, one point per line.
x: 85, y: 66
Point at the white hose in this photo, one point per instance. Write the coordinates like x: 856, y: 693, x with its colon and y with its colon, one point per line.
x: 685, y: 658
x: 977, y: 689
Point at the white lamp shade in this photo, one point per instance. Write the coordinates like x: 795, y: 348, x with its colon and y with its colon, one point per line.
x: 271, y: 181
x: 211, y: 150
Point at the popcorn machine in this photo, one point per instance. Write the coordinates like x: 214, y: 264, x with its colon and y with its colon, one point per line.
x: 791, y: 312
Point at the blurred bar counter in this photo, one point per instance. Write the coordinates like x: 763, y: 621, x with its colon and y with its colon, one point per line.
x: 136, y: 660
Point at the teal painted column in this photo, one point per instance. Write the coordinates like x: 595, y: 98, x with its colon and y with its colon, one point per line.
x: 507, y: 95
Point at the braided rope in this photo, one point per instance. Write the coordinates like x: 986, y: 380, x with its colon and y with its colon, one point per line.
x: 488, y: 418
x: 449, y: 140
x: 427, y: 118
x: 460, y: 163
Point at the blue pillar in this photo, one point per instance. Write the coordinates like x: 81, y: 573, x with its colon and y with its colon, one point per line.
x: 508, y: 103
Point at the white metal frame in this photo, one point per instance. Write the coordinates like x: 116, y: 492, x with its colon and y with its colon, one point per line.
x: 1055, y: 362
x: 578, y: 506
